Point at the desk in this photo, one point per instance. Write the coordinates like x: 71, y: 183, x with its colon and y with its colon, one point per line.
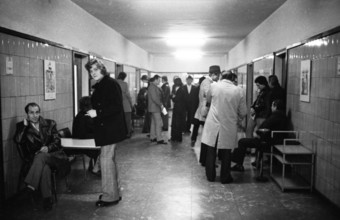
x: 80, y: 144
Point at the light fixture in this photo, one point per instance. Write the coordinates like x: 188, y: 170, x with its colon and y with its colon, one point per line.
x: 185, y: 39
x: 192, y: 54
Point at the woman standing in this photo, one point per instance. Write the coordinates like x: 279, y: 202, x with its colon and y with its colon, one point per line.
x: 110, y: 128
x: 178, y: 116
x: 260, y: 109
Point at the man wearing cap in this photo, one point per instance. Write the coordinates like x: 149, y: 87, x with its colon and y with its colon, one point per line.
x: 214, y: 74
x: 227, y: 107
x: 190, y: 98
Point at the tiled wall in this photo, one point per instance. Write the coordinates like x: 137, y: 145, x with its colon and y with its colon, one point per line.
x: 26, y: 85
x: 319, y: 118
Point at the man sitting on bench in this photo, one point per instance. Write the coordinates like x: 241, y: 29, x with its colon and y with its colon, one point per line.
x: 277, y: 121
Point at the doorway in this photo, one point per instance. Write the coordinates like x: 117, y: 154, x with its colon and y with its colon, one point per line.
x: 81, y: 79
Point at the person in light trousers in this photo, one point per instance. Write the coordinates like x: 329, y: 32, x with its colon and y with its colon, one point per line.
x: 109, y: 128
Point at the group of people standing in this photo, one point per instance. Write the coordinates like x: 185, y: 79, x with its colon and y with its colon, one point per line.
x: 222, y: 109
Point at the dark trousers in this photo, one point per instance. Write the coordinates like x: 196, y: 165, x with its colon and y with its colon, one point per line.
x: 39, y: 174
x: 165, y: 119
x: 203, y: 153
x: 190, y: 113
x: 239, y: 153
x: 197, y: 124
x: 177, y: 122
x: 210, y: 169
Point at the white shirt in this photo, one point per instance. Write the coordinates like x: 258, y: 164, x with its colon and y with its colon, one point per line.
x: 189, y: 88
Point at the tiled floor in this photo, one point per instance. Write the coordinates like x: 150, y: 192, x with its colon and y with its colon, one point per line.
x: 166, y: 182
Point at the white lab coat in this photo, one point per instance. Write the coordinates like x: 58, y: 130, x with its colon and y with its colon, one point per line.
x: 228, y: 107
x: 202, y: 96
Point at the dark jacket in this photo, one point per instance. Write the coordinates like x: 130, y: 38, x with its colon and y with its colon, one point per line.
x: 190, y: 99
x: 277, y: 92
x: 32, y: 140
x: 262, y: 104
x: 109, y: 124
x: 277, y: 121
x: 166, y: 95
x: 83, y: 126
x: 178, y: 100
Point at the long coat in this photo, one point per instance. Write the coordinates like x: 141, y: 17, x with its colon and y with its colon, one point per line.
x: 227, y: 107
x: 109, y: 124
x: 202, y: 96
x: 127, y: 102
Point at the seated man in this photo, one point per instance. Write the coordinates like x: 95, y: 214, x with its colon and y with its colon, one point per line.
x: 40, y: 144
x: 277, y: 121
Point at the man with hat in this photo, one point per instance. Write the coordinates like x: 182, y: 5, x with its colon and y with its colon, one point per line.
x: 227, y: 107
x: 190, y: 99
x: 201, y: 112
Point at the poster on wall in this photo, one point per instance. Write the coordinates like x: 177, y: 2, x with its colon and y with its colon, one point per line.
x: 305, y: 80
x: 49, y: 79
x: 9, y: 65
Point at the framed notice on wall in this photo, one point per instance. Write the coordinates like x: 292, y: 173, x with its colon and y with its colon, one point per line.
x: 305, y: 80
x: 49, y: 80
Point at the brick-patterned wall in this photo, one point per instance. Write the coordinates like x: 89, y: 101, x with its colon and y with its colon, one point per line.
x: 319, y: 118
x: 26, y: 85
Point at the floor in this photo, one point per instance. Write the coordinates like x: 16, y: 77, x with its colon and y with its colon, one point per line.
x: 161, y: 182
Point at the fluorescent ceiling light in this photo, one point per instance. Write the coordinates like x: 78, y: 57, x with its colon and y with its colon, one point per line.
x: 188, y: 54
x: 186, y: 40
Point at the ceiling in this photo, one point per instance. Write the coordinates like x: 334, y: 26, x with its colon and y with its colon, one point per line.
x: 147, y: 22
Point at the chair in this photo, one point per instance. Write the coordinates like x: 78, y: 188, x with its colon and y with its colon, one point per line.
x: 25, y: 166
x: 66, y: 133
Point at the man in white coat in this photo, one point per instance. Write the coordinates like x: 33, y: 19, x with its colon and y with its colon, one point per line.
x: 227, y: 108
x: 214, y: 75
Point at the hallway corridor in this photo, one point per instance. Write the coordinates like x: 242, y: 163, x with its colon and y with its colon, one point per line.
x: 165, y: 182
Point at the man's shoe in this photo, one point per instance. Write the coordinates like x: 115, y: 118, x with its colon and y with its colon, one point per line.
x: 47, y: 203
x: 161, y: 142
x: 101, y: 203
x: 238, y: 168
x: 153, y: 140
x: 228, y: 180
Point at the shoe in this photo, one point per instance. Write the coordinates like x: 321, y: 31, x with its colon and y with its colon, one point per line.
x: 238, y: 168
x: 47, y: 203
x: 153, y: 140
x: 161, y: 142
x: 101, y: 203
x: 193, y: 143
x: 228, y: 180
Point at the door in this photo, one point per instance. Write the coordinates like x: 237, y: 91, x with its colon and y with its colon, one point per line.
x: 81, y: 84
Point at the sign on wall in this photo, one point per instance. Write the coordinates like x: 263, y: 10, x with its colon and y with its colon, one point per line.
x: 9, y: 65
x: 305, y: 80
x: 49, y: 79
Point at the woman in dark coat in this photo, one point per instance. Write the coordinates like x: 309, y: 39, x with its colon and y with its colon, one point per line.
x: 178, y: 114
x: 260, y: 109
x: 109, y: 128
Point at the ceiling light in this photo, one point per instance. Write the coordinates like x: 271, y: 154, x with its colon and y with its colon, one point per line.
x: 185, y: 40
x: 188, y: 54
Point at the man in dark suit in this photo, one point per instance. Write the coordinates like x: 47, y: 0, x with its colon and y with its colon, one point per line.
x: 190, y: 99
x: 166, y: 102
